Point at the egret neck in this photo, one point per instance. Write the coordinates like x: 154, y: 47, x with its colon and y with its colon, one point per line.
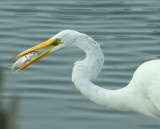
x: 87, y: 70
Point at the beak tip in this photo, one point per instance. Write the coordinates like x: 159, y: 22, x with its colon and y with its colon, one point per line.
x: 17, y: 70
x: 13, y: 58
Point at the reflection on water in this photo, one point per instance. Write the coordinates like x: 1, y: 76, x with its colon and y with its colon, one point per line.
x: 7, y: 117
x: 128, y: 32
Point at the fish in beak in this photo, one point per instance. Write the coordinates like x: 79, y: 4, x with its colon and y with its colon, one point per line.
x: 23, y: 60
x: 51, y: 42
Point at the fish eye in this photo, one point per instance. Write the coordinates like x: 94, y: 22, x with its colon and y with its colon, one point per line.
x: 35, y: 52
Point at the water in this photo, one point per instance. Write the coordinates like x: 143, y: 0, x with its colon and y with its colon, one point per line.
x: 128, y: 32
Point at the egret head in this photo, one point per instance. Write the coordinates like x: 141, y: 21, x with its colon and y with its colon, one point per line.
x: 68, y: 38
x: 65, y: 38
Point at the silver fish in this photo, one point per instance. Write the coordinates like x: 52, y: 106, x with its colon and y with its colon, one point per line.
x: 23, y: 60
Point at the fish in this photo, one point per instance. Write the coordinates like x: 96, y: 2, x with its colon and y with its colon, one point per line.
x: 23, y: 60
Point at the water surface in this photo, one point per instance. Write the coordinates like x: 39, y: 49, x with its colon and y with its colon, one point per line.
x: 128, y: 32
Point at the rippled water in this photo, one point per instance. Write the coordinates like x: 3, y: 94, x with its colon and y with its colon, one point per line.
x: 128, y: 32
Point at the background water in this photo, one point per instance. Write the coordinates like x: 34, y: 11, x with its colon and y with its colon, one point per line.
x: 128, y: 32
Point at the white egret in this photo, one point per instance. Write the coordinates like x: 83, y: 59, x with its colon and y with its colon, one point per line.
x: 141, y: 95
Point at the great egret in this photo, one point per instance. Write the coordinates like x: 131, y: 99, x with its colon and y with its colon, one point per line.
x: 141, y: 95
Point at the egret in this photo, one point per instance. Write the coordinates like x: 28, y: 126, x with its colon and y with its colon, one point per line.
x: 141, y: 95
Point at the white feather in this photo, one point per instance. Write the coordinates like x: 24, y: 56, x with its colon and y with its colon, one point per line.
x: 140, y: 95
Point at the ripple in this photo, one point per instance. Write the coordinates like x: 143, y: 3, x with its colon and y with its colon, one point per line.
x: 128, y: 32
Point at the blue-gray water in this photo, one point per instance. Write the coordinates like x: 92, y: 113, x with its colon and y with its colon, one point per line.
x: 128, y: 32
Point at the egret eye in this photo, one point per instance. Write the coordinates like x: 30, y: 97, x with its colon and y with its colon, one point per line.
x: 58, y: 41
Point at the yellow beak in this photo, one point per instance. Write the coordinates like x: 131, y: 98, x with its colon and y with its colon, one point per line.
x: 53, y: 42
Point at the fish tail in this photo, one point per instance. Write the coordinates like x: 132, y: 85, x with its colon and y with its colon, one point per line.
x: 11, y: 68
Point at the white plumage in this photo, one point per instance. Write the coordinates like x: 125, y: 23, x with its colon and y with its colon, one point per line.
x: 141, y: 95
